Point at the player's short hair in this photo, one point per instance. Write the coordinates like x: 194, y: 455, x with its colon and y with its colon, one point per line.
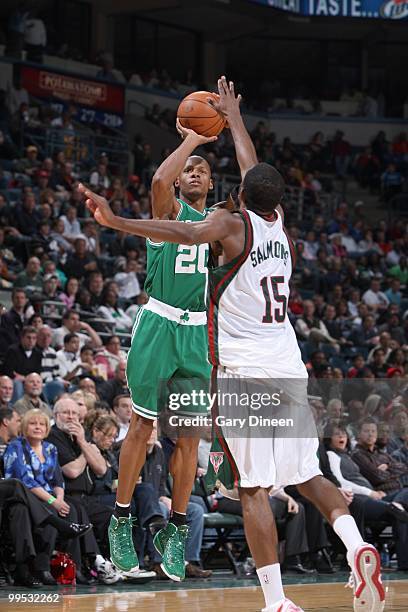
x: 263, y: 188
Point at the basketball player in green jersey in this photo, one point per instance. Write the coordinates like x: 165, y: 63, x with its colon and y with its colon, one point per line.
x: 169, y: 342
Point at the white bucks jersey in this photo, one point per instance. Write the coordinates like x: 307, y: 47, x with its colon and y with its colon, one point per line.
x: 249, y: 326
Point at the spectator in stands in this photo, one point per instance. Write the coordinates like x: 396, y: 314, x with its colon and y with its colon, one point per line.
x: 377, y: 505
x: 399, y: 421
x: 112, y: 312
x: 72, y: 227
x: 10, y: 422
x: 30, y: 164
x: 6, y: 392
x: 80, y: 459
x: 31, y: 279
x: 69, y: 358
x: 122, y: 407
x: 34, y: 461
x: 378, y: 365
x: 80, y: 262
x: 111, y: 355
x: 365, y: 334
x: 374, y: 297
x: 393, y: 294
x: 383, y: 472
x: 33, y: 388
x: 90, y: 232
x: 95, y: 286
x: 87, y: 385
x: 400, y: 270
x: 50, y: 368
x: 57, y: 235
x: 116, y: 386
x: 100, y: 178
x: 127, y: 280
x: 71, y: 323
x: 341, y: 151
x: 391, y: 182
x: 401, y: 453
x: 310, y: 328
x: 23, y: 358
x: 12, y: 322
x: 68, y: 296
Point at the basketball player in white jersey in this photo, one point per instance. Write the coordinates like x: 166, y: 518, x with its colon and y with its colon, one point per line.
x: 251, y: 337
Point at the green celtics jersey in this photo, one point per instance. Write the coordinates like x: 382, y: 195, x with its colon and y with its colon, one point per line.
x: 177, y: 273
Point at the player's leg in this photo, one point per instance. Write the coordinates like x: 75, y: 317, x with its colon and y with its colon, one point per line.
x: 131, y: 460
x: 363, y: 558
x: 144, y: 373
x: 192, y: 375
x: 262, y: 539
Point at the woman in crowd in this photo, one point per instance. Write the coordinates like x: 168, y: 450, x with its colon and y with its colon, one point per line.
x: 111, y: 311
x: 111, y: 355
x: 34, y: 462
x: 68, y: 296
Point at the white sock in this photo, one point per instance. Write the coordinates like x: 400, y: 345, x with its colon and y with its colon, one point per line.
x: 271, y: 583
x: 122, y: 505
x: 99, y: 560
x: 347, y: 530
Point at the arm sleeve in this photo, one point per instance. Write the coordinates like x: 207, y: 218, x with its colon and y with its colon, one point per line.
x: 334, y: 460
x: 15, y: 466
x: 370, y: 471
x: 302, y: 328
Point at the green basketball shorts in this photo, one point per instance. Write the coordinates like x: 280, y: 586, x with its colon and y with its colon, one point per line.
x: 168, y: 357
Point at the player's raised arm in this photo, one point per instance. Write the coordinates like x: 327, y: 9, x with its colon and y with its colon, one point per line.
x: 218, y: 226
x: 228, y: 105
x: 164, y: 202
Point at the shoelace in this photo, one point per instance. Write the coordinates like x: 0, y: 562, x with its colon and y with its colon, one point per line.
x: 123, y: 543
x: 177, y: 551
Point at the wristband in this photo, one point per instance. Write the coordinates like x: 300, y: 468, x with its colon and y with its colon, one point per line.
x: 51, y: 500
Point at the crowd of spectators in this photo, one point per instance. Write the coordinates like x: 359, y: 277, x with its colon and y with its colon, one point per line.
x: 75, y: 292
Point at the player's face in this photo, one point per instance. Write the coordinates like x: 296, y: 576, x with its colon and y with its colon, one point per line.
x: 195, y: 179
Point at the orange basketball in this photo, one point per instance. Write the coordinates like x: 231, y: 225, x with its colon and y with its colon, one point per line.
x: 196, y: 114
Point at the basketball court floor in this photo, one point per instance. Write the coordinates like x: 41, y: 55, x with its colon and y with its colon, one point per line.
x: 218, y: 594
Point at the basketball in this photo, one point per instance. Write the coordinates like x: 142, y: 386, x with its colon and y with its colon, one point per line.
x: 197, y: 114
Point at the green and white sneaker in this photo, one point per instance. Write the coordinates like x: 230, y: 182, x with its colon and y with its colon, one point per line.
x: 170, y: 543
x: 122, y: 550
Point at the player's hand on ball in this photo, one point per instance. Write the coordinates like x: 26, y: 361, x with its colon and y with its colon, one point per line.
x: 228, y: 103
x: 98, y: 206
x: 184, y: 132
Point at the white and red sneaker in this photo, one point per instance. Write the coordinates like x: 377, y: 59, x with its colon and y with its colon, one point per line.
x: 285, y: 606
x: 365, y: 579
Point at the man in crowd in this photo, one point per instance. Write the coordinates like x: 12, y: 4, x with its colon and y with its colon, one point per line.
x: 10, y: 422
x: 12, y: 322
x: 6, y: 392
x: 71, y: 324
x: 116, y: 386
x: 23, y: 358
x: 122, y: 407
x: 33, y: 387
x: 80, y: 460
